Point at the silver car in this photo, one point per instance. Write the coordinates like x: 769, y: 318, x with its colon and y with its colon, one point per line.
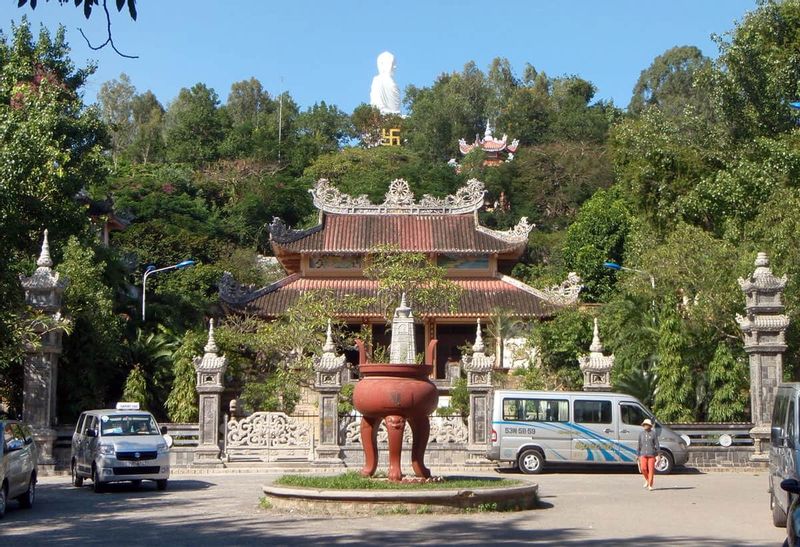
x: 17, y: 465
x: 119, y: 445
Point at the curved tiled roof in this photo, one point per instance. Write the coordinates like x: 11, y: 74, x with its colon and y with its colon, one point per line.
x: 480, y: 297
x: 344, y: 234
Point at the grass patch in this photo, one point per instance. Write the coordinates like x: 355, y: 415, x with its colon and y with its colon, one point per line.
x: 264, y: 503
x: 354, y: 481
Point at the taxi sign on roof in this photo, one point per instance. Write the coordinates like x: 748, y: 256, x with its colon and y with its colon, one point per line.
x: 127, y: 406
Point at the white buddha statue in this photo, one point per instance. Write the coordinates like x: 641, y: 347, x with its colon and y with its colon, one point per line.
x: 385, y: 95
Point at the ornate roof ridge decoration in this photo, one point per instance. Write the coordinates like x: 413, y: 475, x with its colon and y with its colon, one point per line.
x: 516, y: 235
x: 233, y: 292
x: 399, y: 200
x: 762, y: 322
x: 565, y: 294
x: 763, y: 278
x: 280, y: 232
x: 488, y: 143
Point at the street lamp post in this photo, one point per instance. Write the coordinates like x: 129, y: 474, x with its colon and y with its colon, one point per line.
x: 615, y: 266
x: 153, y: 270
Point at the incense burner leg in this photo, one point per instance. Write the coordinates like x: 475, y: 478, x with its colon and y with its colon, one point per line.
x: 369, y: 442
x: 421, y: 429
x: 395, y: 425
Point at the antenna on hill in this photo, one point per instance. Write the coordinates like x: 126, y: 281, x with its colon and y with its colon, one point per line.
x: 280, y: 121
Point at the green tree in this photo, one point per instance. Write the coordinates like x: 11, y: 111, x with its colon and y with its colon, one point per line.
x: 560, y: 341
x: 669, y: 82
x: 598, y: 235
x: 135, y: 389
x: 728, y: 386
x: 91, y: 366
x: 181, y: 404
x: 148, y: 124
x: 674, y: 398
x: 193, y: 128
x: 115, y: 99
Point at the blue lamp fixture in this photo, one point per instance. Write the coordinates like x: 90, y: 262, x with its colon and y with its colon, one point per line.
x: 150, y: 270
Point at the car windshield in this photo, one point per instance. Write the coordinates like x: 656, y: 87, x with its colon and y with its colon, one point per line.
x: 127, y: 424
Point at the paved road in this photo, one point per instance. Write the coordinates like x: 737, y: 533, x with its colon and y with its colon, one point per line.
x: 578, y: 508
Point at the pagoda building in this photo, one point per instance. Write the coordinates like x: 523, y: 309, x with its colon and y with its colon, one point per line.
x: 331, y: 255
x: 497, y: 150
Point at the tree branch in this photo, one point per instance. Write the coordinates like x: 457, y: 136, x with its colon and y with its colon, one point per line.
x: 109, y: 39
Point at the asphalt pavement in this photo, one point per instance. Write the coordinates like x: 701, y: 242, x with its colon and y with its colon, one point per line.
x: 577, y: 508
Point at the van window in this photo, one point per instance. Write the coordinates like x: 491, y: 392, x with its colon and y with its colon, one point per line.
x: 91, y: 423
x: 536, y: 410
x: 79, y: 427
x: 592, y: 412
x: 791, y: 430
x: 632, y: 414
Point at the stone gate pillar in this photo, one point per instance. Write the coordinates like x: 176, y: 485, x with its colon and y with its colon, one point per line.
x: 763, y: 328
x: 328, y: 383
x: 43, y: 292
x: 479, y: 384
x: 210, y: 370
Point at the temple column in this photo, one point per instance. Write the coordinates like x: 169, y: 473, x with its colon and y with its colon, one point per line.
x: 479, y: 384
x: 763, y: 328
x: 328, y: 384
x: 210, y: 370
x: 43, y: 292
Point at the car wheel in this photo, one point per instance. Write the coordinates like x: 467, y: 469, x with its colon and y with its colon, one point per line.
x: 77, y: 480
x: 778, y: 515
x: 97, y: 486
x: 3, y: 500
x: 531, y: 461
x: 161, y: 484
x: 26, y: 500
x: 664, y: 462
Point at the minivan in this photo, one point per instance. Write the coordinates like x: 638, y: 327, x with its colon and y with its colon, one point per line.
x: 783, y: 447
x: 124, y: 444
x: 532, y: 428
x: 18, y: 460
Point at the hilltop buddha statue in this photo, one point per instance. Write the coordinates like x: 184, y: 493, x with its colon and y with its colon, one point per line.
x: 385, y: 95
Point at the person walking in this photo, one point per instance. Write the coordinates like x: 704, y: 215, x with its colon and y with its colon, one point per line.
x: 646, y: 451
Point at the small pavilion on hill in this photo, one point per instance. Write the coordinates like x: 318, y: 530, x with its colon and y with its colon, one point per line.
x: 330, y: 256
x: 497, y: 150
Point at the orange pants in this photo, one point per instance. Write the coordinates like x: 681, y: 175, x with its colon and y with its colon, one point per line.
x: 648, y: 468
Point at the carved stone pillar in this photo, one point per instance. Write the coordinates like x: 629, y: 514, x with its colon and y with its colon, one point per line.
x: 210, y: 370
x: 763, y: 328
x: 596, y: 367
x: 479, y: 384
x: 43, y: 291
x: 328, y: 383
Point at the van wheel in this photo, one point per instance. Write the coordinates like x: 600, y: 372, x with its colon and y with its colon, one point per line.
x: 531, y: 461
x: 3, y: 500
x: 778, y: 516
x: 97, y: 486
x: 26, y: 500
x: 77, y: 480
x: 664, y: 462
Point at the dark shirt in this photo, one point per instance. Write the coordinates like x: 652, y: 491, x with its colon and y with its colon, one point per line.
x: 648, y: 443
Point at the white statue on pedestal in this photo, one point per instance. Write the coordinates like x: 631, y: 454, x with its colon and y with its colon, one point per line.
x: 385, y: 95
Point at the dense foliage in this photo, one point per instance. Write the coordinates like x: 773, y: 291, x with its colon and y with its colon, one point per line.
x: 683, y: 189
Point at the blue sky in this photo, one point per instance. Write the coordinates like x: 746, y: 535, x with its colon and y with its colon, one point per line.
x: 326, y: 50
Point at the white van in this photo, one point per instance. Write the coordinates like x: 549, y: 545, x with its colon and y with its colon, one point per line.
x: 531, y: 428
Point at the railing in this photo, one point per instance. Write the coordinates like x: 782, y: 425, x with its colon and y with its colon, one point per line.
x: 715, y: 434
x: 445, y: 430
x: 184, y: 435
x: 270, y: 436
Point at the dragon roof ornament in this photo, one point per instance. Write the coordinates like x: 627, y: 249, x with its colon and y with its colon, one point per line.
x: 517, y: 234
x: 399, y: 200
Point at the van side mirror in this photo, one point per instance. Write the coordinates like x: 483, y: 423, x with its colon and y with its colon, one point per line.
x: 163, y: 430
x: 791, y: 485
x: 91, y: 433
x: 775, y: 435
